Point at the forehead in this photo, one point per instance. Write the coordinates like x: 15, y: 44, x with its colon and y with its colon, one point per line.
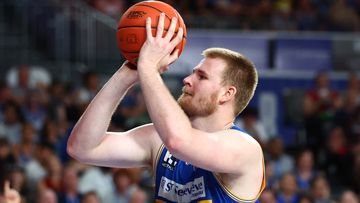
x: 211, y: 66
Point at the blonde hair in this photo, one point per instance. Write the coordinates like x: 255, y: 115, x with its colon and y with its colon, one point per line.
x: 239, y: 72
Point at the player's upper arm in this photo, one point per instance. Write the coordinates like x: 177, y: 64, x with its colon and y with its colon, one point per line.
x: 134, y: 148
x: 227, y: 151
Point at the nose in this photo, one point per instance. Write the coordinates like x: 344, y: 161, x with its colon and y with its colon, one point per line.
x: 187, y: 80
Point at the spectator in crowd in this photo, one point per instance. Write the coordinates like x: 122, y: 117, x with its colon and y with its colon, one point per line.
x: 123, y: 186
x: 304, y: 170
x: 337, y: 162
x: 5, y: 96
x: 138, y: 196
x: 250, y: 123
x: 306, y: 15
x: 279, y: 160
x: 25, y: 150
x: 355, y: 183
x: 320, y: 190
x: 90, y: 197
x: 98, y: 180
x: 354, y: 126
x: 282, y: 18
x: 267, y: 196
x: 69, y: 187
x: 35, y: 168
x: 34, y: 108
x: 346, y: 116
x: 305, y: 198
x: 91, y: 85
x: 348, y: 196
x: 24, y: 77
x: 11, y: 125
x: 46, y: 195
x: 7, y: 158
x: 18, y: 181
x: 53, y: 177
x: 288, y: 191
x: 319, y: 108
x: 343, y: 17
x: 132, y: 109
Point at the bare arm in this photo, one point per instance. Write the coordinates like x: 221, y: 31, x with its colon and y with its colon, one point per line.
x: 236, y: 151
x: 90, y: 142
x: 225, y: 151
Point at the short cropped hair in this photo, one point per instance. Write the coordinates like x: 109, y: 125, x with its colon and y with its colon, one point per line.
x: 240, y: 72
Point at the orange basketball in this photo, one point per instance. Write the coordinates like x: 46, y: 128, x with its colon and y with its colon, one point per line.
x: 131, y: 32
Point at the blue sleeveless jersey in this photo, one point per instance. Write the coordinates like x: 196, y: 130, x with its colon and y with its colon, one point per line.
x: 178, y: 181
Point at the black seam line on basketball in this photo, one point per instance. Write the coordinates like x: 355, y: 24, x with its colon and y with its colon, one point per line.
x: 143, y: 27
x: 130, y: 52
x: 160, y: 11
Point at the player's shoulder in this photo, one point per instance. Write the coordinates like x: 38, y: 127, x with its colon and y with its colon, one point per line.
x: 237, y: 135
x: 238, y: 132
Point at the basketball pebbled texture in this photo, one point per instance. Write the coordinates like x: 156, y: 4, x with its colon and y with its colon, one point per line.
x: 131, y: 32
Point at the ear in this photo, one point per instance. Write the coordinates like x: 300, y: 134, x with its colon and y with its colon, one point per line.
x: 228, y: 94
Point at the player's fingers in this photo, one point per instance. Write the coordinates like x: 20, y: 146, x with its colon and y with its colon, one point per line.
x: 148, y: 28
x: 178, y: 37
x: 174, y: 56
x: 160, y: 27
x: 171, y: 30
x: 6, y: 187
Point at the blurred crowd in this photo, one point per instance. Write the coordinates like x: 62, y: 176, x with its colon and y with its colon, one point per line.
x: 323, y: 166
x: 288, y: 15
x: 37, y: 113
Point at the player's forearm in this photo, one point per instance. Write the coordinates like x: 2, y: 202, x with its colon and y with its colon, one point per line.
x: 169, y: 120
x: 92, y: 126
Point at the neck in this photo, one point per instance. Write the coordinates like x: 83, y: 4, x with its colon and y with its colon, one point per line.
x: 214, y: 122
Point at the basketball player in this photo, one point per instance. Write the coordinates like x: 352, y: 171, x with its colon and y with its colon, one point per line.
x: 197, y: 153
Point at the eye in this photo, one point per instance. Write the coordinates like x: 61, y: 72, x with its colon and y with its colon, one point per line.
x: 202, y: 77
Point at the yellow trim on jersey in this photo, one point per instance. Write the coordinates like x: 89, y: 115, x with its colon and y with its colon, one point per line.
x: 158, y: 155
x: 235, y: 197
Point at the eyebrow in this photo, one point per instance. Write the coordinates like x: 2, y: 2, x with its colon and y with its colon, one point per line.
x: 200, y: 71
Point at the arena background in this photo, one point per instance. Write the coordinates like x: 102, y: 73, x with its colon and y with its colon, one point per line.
x: 55, y: 55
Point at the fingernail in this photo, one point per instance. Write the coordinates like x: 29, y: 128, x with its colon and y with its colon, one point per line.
x: 163, y: 14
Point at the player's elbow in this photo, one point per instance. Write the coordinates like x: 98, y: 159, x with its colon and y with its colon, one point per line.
x: 175, y: 144
x: 74, y: 151
x: 76, y: 154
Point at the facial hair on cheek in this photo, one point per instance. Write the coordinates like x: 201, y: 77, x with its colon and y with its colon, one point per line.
x: 185, y: 103
x: 206, y: 105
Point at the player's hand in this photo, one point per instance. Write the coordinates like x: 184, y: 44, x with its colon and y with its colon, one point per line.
x: 11, y: 195
x: 159, y: 51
